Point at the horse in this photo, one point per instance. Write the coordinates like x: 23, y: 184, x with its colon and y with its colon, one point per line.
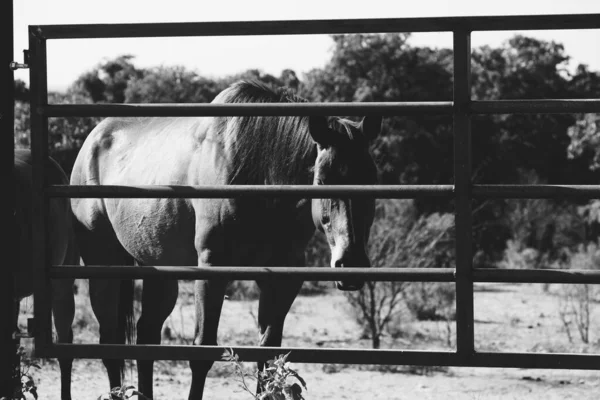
x: 239, y: 150
x: 61, y: 245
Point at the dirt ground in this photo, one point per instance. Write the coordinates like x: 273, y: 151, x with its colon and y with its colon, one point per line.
x: 508, y: 317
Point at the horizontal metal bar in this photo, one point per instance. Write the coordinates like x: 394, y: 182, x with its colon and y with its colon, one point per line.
x: 555, y: 106
x: 311, y: 191
x: 325, y: 355
x: 303, y: 109
x: 253, y: 273
x: 537, y: 275
x: 324, y: 274
x: 246, y: 353
x: 535, y: 360
x: 231, y: 191
x: 273, y: 109
x: 327, y: 27
x: 535, y: 191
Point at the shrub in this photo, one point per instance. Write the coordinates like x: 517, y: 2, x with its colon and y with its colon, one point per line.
x: 430, y: 244
x: 122, y: 393
x: 575, y: 300
x: 24, y: 387
x: 400, y: 239
x: 518, y: 257
x: 429, y: 301
x: 541, y: 229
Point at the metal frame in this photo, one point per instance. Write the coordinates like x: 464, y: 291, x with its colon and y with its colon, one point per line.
x: 462, y: 192
x: 7, y: 147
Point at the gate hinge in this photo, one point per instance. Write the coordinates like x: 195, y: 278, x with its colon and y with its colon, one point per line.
x: 15, y: 65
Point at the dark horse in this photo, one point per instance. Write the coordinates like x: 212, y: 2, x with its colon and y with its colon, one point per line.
x: 218, y: 232
x: 61, y: 245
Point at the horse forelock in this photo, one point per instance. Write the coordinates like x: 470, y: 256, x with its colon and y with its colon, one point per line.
x: 350, y: 128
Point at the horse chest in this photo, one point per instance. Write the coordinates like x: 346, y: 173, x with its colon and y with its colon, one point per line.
x: 269, y: 235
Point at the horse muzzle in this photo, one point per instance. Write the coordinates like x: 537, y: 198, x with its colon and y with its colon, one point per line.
x: 351, y: 284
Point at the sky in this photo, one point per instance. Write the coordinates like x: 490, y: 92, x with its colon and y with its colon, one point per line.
x: 217, y: 57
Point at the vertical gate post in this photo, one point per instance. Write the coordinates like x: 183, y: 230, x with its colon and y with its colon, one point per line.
x: 39, y: 151
x: 462, y: 182
x: 7, y: 345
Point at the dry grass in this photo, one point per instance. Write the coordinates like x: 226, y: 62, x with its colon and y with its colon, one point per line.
x: 509, y: 317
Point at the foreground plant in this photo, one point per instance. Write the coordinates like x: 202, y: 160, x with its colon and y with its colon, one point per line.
x: 278, y: 380
x: 122, y: 393
x: 23, y: 383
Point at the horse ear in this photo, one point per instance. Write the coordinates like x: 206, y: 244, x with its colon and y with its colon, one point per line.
x: 370, y: 126
x: 319, y: 130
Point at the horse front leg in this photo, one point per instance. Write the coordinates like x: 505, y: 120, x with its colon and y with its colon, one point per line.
x: 158, y: 300
x: 276, y: 298
x: 208, y: 294
x: 209, y: 301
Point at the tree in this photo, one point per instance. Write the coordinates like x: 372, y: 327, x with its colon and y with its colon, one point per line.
x: 171, y: 85
x: 419, y: 150
x: 21, y: 91
x: 384, y: 67
x: 521, y: 146
x: 526, y: 68
x: 22, y: 125
x: 108, y: 81
x: 65, y: 134
x: 287, y: 79
x: 585, y: 140
x: 584, y: 143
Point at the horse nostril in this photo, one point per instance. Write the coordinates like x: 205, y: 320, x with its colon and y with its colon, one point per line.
x: 339, y: 264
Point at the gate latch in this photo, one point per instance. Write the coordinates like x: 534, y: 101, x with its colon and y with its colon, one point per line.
x: 15, y: 65
x: 30, y: 331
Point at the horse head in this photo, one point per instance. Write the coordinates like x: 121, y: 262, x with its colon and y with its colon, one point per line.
x: 343, y: 159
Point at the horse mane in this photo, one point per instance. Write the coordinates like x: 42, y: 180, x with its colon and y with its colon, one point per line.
x: 266, y: 149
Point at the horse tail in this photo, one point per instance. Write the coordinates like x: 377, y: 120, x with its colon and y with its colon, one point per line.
x: 126, y: 320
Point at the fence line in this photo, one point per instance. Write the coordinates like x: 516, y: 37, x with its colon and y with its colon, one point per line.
x: 324, y: 27
x: 328, y: 109
x: 462, y: 192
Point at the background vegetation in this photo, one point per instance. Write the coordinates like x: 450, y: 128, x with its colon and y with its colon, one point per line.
x: 519, y: 148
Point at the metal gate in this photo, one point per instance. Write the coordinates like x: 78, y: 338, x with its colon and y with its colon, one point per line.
x: 462, y: 192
